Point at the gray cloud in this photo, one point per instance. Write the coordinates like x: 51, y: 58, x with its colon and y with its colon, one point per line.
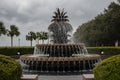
x: 35, y: 15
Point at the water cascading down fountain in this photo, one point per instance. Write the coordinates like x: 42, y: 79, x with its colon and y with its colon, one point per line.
x: 60, y: 55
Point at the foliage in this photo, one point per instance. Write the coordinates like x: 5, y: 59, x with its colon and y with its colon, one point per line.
x: 9, y: 69
x: 31, y: 36
x: 2, y: 29
x: 103, y: 30
x: 106, y: 50
x: 36, y: 35
x: 42, y: 36
x: 60, y: 27
x: 9, y: 51
x: 13, y: 32
x: 108, y: 69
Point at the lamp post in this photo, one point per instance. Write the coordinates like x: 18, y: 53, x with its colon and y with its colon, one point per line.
x: 19, y: 42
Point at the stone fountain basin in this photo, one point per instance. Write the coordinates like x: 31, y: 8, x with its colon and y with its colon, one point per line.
x: 64, y: 64
x: 30, y: 57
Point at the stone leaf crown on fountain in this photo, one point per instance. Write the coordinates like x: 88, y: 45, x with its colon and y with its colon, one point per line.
x: 60, y: 27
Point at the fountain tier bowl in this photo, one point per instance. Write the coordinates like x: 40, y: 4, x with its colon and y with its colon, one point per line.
x: 61, y: 64
x: 60, y: 50
x: 60, y: 58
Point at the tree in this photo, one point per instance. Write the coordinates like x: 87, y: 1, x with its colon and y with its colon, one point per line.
x: 42, y: 36
x: 31, y: 36
x: 102, y: 30
x: 13, y: 32
x: 38, y: 36
x: 60, y: 27
x: 2, y: 29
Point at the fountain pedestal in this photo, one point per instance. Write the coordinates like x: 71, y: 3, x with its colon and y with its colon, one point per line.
x: 88, y: 76
x: 29, y: 77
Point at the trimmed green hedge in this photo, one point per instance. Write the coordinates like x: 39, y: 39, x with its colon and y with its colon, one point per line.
x: 13, y: 50
x: 108, y: 69
x: 9, y: 69
x: 106, y: 50
x: 29, y: 50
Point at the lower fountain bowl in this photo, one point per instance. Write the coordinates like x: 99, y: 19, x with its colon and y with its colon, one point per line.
x: 60, y: 64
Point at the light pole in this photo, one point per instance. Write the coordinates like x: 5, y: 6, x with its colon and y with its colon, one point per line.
x: 19, y: 42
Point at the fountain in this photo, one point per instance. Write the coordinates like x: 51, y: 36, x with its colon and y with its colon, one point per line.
x: 60, y: 55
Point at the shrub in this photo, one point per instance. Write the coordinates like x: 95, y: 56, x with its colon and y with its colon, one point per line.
x: 13, y: 50
x: 107, y: 50
x: 29, y: 50
x: 9, y: 69
x: 108, y: 69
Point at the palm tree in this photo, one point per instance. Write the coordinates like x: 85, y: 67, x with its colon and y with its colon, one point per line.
x: 38, y: 36
x: 2, y: 29
x: 31, y: 36
x: 44, y: 36
x: 13, y: 32
x: 60, y: 27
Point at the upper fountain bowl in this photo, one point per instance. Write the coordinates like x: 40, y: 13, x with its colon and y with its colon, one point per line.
x: 60, y: 50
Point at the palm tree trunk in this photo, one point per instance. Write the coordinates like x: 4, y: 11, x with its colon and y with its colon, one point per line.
x: 31, y: 43
x: 43, y: 41
x: 11, y: 41
x: 38, y: 41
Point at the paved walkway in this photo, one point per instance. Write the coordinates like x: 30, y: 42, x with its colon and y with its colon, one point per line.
x: 60, y: 77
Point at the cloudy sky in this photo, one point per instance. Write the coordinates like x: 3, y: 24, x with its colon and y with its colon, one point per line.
x: 36, y: 15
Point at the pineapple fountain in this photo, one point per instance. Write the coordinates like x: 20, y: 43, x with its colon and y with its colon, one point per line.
x: 60, y: 55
